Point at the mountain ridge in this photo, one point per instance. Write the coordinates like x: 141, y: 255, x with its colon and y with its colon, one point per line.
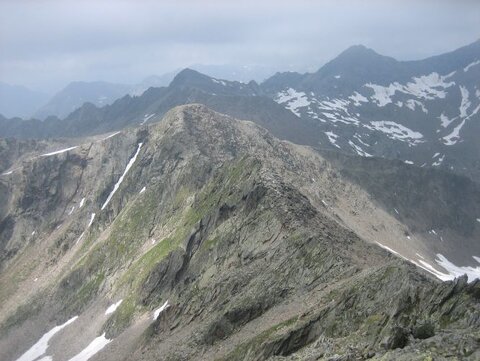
x: 220, y: 242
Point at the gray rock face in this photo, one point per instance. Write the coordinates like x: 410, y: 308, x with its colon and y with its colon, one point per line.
x: 221, y: 242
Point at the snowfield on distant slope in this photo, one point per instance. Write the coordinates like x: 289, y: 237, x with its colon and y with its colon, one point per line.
x: 292, y: 100
x: 397, y: 131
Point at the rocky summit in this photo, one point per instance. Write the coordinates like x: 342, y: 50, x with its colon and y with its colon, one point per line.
x: 204, y: 237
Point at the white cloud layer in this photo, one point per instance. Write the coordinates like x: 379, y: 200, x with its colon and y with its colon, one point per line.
x: 48, y: 43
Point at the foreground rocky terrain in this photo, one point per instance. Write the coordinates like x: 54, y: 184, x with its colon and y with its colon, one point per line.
x: 202, y: 237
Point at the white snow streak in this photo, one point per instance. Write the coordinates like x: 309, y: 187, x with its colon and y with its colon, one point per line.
x: 358, y: 99
x: 95, y: 346
x: 92, y: 217
x: 332, y: 137
x: 454, y: 136
x: 113, y: 308
x: 40, y: 348
x: 117, y: 185
x: 389, y: 249
x: 471, y: 65
x: 160, y: 310
x: 359, y: 150
x: 397, y: 131
x: 58, y: 151
x: 453, y: 271
x: 142, y: 190
x: 465, y: 104
x: 82, y: 202
x: 111, y: 135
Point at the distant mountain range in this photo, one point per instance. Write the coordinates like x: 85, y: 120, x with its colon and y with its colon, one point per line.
x: 422, y: 112
x: 19, y: 101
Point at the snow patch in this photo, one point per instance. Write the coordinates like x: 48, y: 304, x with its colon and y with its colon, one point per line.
x: 40, y: 348
x: 111, y: 135
x: 117, y: 185
x: 445, y: 121
x: 358, y: 99
x: 222, y: 82
x: 293, y: 100
x: 439, y: 161
x: 413, y: 104
x: 92, y: 217
x: 94, y: 347
x: 397, y: 131
x: 389, y: 249
x: 471, y: 65
x: 465, y: 103
x: 454, y: 136
x: 429, y: 268
x: 476, y: 258
x: 357, y: 137
x: 332, y: 137
x: 82, y: 202
x: 424, y: 87
x: 359, y: 150
x: 160, y: 310
x: 142, y: 190
x: 408, y: 162
x: 113, y: 308
x: 456, y: 271
x: 58, y: 151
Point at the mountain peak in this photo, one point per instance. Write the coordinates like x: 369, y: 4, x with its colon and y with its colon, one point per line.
x: 360, y: 52
x: 189, y: 77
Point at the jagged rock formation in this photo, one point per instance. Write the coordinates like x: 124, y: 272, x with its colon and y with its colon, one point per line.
x: 247, y: 248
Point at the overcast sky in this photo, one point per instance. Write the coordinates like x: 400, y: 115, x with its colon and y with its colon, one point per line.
x: 46, y: 44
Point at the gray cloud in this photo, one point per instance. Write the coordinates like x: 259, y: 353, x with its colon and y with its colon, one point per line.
x: 49, y: 43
